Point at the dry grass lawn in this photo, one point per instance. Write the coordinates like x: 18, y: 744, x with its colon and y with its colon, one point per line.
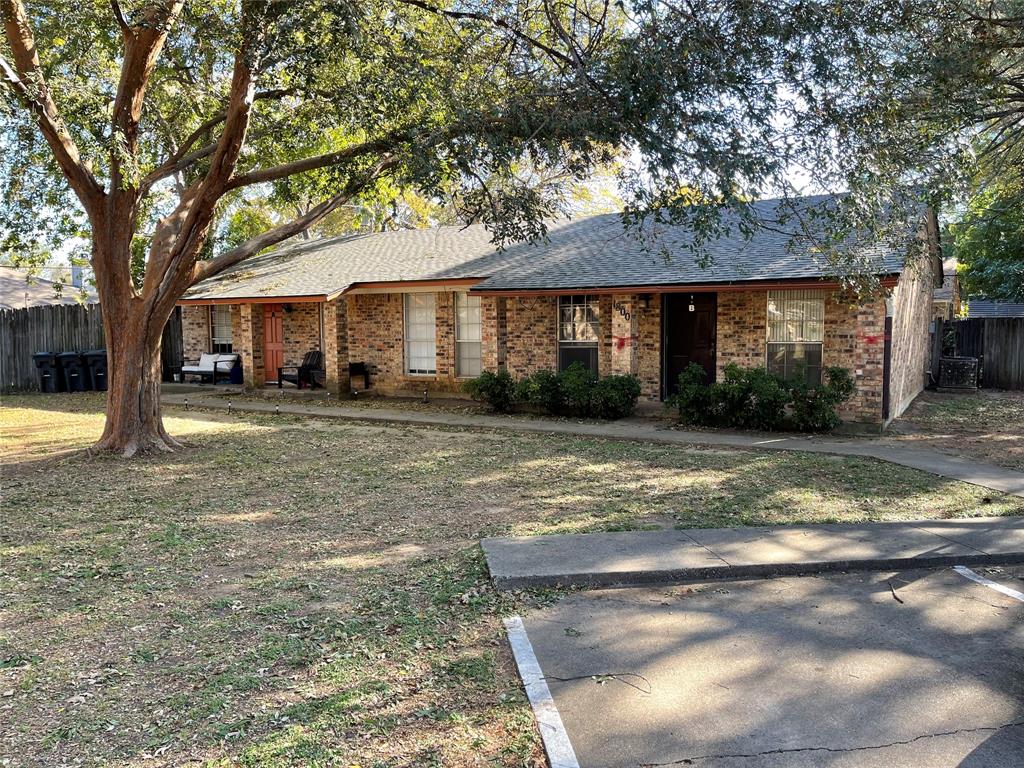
x: 293, y: 593
x: 987, y: 425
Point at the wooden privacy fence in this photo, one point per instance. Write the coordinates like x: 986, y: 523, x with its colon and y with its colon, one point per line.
x: 62, y: 328
x: 997, y: 342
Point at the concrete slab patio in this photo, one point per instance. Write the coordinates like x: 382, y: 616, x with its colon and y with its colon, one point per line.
x: 646, y: 557
x: 905, y: 669
x: 944, y: 465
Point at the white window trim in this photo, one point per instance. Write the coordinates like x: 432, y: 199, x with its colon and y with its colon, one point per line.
x: 406, y: 340
x: 460, y: 297
x: 212, y: 324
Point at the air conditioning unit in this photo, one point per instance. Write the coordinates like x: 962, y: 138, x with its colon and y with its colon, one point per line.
x: 959, y: 374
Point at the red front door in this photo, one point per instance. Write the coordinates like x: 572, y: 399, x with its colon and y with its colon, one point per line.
x: 273, y: 340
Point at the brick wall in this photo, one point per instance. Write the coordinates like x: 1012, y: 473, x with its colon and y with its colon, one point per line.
x: 742, y: 329
x: 855, y: 340
x: 301, y: 325
x: 532, y: 334
x: 249, y: 344
x: 911, y: 348
x: 604, y: 351
x: 336, y: 346
x: 624, y: 335
x: 195, y: 330
x: 493, y: 332
x: 376, y: 336
x: 648, y: 351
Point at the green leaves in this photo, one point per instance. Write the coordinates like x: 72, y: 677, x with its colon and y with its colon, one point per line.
x: 988, y: 243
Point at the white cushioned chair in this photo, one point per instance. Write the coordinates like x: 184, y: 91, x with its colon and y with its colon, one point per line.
x: 211, y: 366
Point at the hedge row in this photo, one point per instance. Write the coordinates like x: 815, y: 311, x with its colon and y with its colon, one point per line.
x: 572, y: 392
x: 752, y: 398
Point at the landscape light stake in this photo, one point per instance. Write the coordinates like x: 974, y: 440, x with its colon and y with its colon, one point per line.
x: 277, y: 409
x: 186, y: 403
x: 425, y: 399
x: 229, y: 406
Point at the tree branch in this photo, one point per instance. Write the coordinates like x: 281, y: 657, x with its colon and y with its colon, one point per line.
x: 141, y: 49
x: 181, y: 158
x: 204, y: 270
x: 495, y: 21
x: 386, y: 143
x: 115, y: 7
x: 26, y: 79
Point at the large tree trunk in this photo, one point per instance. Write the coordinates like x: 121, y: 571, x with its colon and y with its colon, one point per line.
x: 133, y: 327
x: 134, y: 422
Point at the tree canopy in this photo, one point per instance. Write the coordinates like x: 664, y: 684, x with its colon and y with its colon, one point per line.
x: 141, y: 124
x: 988, y: 243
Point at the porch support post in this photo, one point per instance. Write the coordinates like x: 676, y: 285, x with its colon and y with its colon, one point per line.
x: 336, y: 345
x: 250, y: 324
x: 625, y: 326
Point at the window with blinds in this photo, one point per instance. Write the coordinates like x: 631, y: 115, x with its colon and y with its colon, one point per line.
x: 220, y: 328
x: 468, y: 335
x: 796, y: 330
x: 420, y: 334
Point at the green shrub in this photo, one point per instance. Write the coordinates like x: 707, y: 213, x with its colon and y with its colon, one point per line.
x: 577, y: 384
x: 573, y: 392
x: 498, y: 390
x: 752, y: 398
x: 814, y: 409
x: 614, y: 397
x: 694, y: 398
x: 542, y: 390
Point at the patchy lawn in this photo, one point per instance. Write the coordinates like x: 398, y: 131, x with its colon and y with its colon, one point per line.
x: 291, y: 592
x: 987, y: 425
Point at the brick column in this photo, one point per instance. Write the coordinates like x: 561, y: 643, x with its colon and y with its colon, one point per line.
x: 250, y: 344
x: 336, y: 345
x: 624, y: 334
x: 605, y: 332
x: 492, y: 332
x: 444, y: 313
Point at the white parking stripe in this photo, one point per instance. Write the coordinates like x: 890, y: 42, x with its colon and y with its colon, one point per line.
x: 969, y: 574
x: 552, y: 731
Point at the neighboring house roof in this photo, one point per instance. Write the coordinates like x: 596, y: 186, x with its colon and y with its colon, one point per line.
x: 945, y: 293
x: 986, y: 308
x: 18, y: 290
x: 591, y: 252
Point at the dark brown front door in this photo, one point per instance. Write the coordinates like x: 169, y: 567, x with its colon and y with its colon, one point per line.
x: 273, y: 340
x: 689, y: 335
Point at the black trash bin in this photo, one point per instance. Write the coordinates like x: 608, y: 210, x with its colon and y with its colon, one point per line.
x: 76, y: 376
x: 51, y: 377
x: 96, y: 364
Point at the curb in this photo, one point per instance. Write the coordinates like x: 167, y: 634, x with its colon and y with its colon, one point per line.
x: 727, y: 572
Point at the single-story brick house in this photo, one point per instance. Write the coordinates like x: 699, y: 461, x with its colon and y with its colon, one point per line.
x: 425, y: 309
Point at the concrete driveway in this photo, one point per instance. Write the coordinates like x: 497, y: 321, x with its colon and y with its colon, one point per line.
x: 920, y: 669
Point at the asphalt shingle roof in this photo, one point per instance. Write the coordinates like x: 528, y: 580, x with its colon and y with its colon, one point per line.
x: 19, y: 290
x: 589, y: 252
x: 986, y: 308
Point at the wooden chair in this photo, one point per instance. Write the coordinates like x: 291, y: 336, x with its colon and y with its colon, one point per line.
x: 310, y: 373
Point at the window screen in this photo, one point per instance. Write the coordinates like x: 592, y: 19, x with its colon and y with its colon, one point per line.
x: 579, y: 329
x: 220, y: 328
x: 468, y: 335
x: 420, y: 333
x: 796, y: 329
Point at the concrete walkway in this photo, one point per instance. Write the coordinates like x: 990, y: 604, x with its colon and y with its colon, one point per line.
x: 943, y: 465
x: 650, y: 557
